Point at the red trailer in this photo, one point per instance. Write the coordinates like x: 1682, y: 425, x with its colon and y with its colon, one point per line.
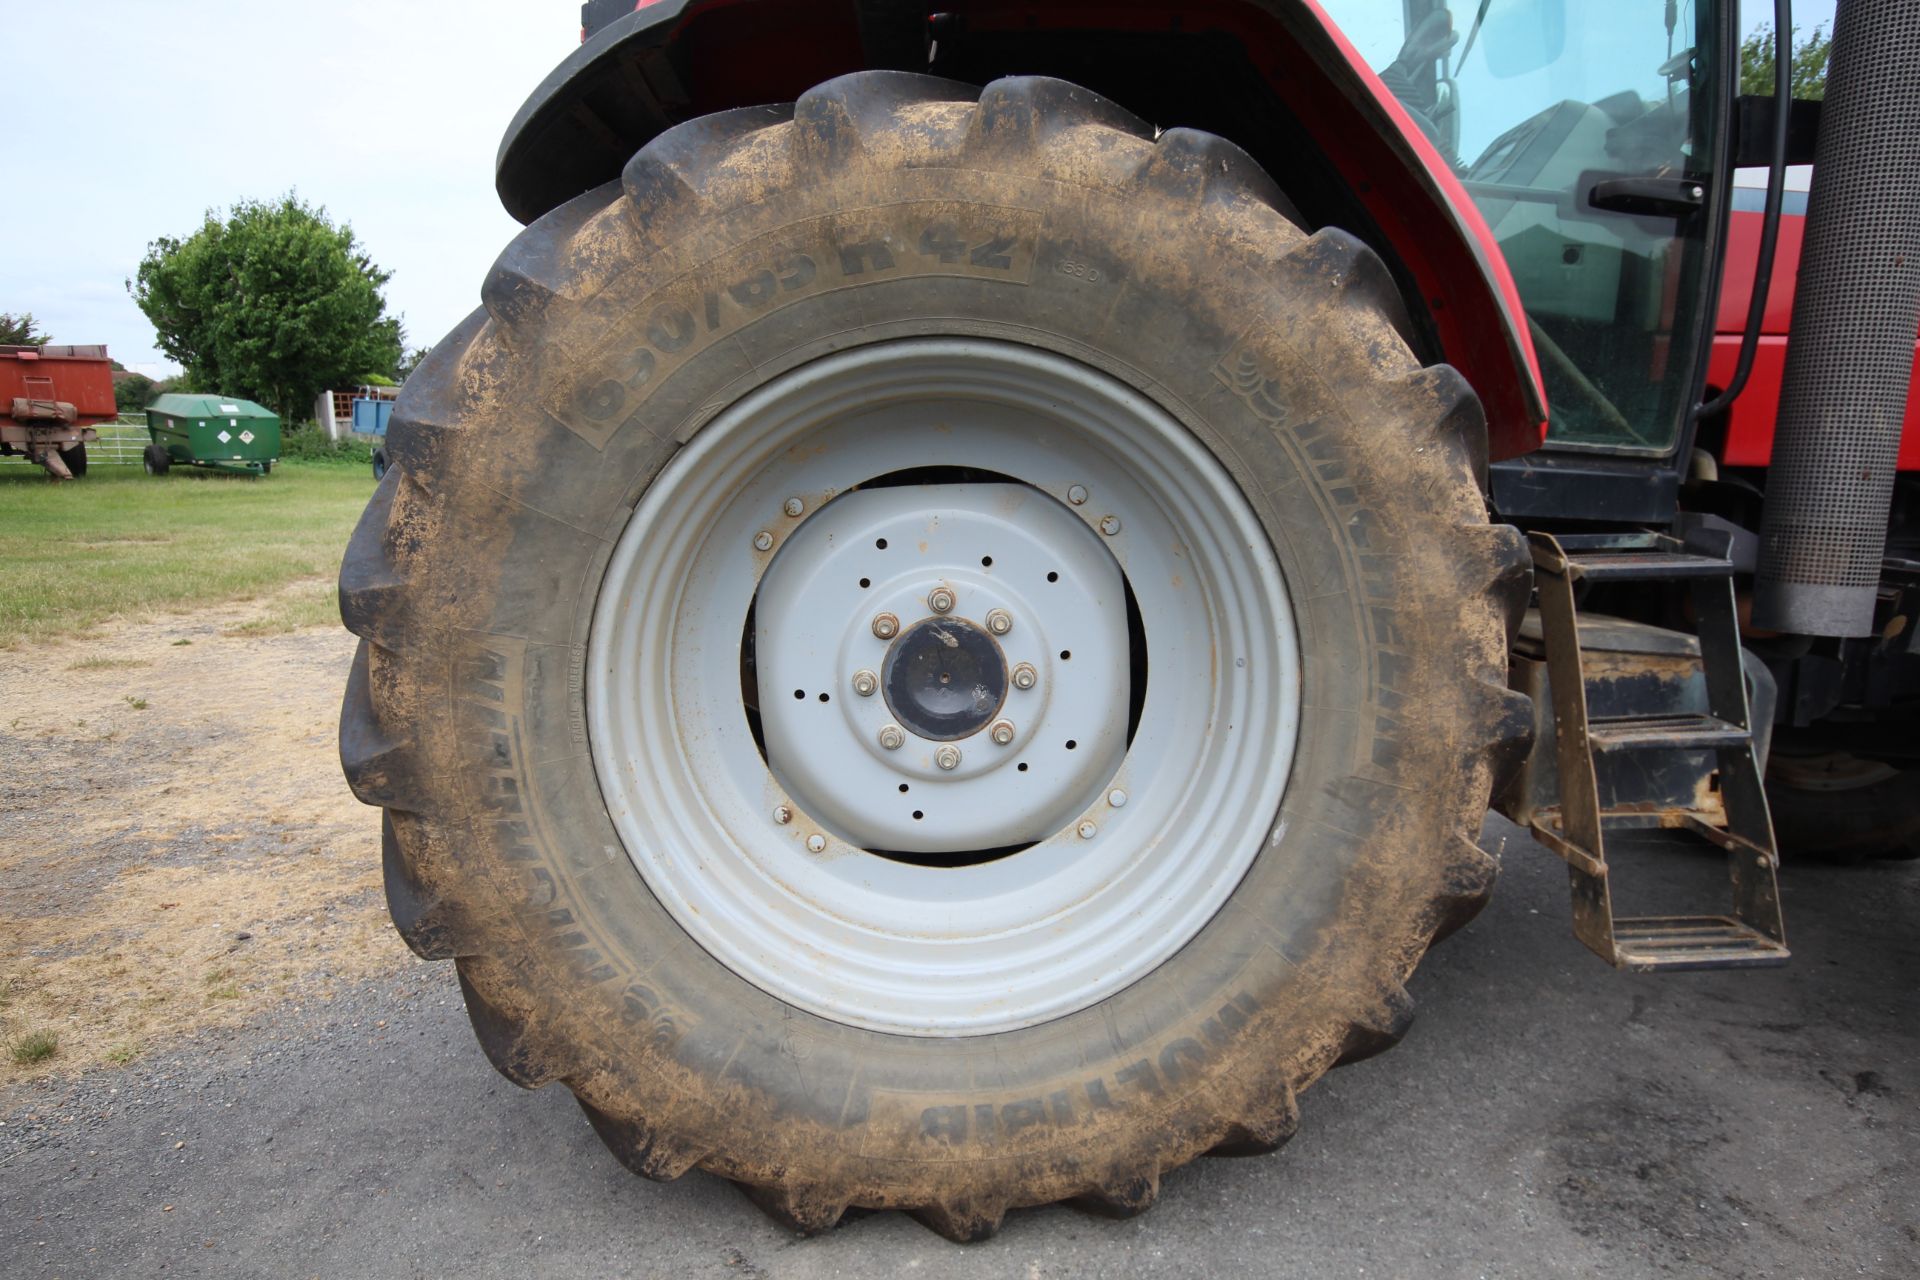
x: 50, y: 399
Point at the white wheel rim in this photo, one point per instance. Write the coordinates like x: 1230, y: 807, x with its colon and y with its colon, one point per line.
x: 1134, y: 847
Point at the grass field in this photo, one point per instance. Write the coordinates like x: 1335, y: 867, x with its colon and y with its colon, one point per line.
x: 121, y: 543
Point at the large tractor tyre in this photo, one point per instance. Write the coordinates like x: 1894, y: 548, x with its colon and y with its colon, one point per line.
x: 930, y: 649
x: 1838, y: 807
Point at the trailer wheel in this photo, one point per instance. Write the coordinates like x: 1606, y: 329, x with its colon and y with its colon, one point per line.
x: 379, y: 463
x: 931, y: 650
x: 155, y: 460
x: 75, y: 459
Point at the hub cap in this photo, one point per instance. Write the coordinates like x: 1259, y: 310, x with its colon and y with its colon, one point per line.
x: 945, y: 679
x: 948, y: 822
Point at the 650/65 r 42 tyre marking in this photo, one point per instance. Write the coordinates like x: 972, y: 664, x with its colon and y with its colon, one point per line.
x: 889, y: 220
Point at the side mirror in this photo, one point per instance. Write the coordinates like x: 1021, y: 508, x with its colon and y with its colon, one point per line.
x: 1523, y: 35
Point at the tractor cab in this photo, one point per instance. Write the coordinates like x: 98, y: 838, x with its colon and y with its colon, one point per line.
x: 1593, y: 141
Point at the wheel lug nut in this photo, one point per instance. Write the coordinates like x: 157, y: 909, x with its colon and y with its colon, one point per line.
x: 763, y: 541
x: 891, y: 738
x: 865, y: 682
x: 947, y: 758
x: 1077, y: 494
x: 816, y: 843
x: 1116, y: 798
x: 1002, y: 732
x: 1025, y: 677
x: 940, y: 600
x: 782, y: 815
x: 1088, y: 831
x: 794, y: 507
x: 999, y: 621
x: 886, y: 626
x: 1109, y: 525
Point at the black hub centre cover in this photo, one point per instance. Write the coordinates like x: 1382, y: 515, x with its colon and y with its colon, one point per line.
x: 945, y: 678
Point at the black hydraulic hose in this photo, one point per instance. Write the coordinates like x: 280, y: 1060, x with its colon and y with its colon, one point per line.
x: 1770, y: 220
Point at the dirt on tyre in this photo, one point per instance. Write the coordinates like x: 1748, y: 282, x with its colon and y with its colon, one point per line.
x: 930, y: 649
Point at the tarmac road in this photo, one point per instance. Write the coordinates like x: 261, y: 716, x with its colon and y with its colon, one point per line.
x: 1545, y: 1117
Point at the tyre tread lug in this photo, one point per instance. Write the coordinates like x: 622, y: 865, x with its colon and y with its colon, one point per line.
x: 642, y: 1148
x: 539, y: 265
x: 1378, y: 1029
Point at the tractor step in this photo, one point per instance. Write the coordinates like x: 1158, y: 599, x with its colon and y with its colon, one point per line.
x: 1642, y: 557
x: 1576, y: 828
x: 1668, y: 732
x: 1648, y: 943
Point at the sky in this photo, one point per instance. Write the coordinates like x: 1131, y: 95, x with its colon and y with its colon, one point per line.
x: 133, y: 118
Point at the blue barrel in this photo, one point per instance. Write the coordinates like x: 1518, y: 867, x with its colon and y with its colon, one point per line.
x: 370, y: 416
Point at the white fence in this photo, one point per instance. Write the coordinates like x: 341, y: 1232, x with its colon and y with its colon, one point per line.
x: 120, y: 444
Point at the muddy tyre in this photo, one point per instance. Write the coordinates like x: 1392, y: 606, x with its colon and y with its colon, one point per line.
x: 625, y: 689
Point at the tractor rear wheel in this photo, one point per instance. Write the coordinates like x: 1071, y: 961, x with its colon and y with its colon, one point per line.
x: 930, y: 649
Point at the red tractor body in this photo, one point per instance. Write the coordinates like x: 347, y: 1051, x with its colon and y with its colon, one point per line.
x: 1749, y: 435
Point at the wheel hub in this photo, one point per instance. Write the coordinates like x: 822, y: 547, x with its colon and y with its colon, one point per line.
x: 945, y: 679
x: 951, y: 756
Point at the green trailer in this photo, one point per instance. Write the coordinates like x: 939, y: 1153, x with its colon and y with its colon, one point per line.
x: 222, y: 433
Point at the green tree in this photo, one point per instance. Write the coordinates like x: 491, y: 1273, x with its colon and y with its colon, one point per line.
x: 274, y: 303
x: 17, y: 330
x: 409, y: 362
x: 134, y: 391
x: 1809, y: 72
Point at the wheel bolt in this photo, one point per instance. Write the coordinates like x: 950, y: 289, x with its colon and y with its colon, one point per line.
x: 1025, y: 677
x: 940, y: 600
x: 886, y: 626
x: 782, y: 815
x: 891, y: 738
x: 1109, y: 525
x: 816, y: 843
x: 1116, y: 798
x: 999, y: 621
x: 794, y: 507
x: 763, y: 541
x: 865, y: 682
x: 947, y: 758
x: 1088, y: 831
x: 1077, y: 495
x: 1002, y: 732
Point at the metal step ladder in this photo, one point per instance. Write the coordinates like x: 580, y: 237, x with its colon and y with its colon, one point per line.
x: 1576, y: 828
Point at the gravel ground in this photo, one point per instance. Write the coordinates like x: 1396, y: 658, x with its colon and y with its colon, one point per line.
x: 1545, y: 1117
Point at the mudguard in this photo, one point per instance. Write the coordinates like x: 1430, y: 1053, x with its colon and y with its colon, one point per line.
x: 674, y: 60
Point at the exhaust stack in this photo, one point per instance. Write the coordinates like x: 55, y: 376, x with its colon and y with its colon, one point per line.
x: 1851, y: 348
